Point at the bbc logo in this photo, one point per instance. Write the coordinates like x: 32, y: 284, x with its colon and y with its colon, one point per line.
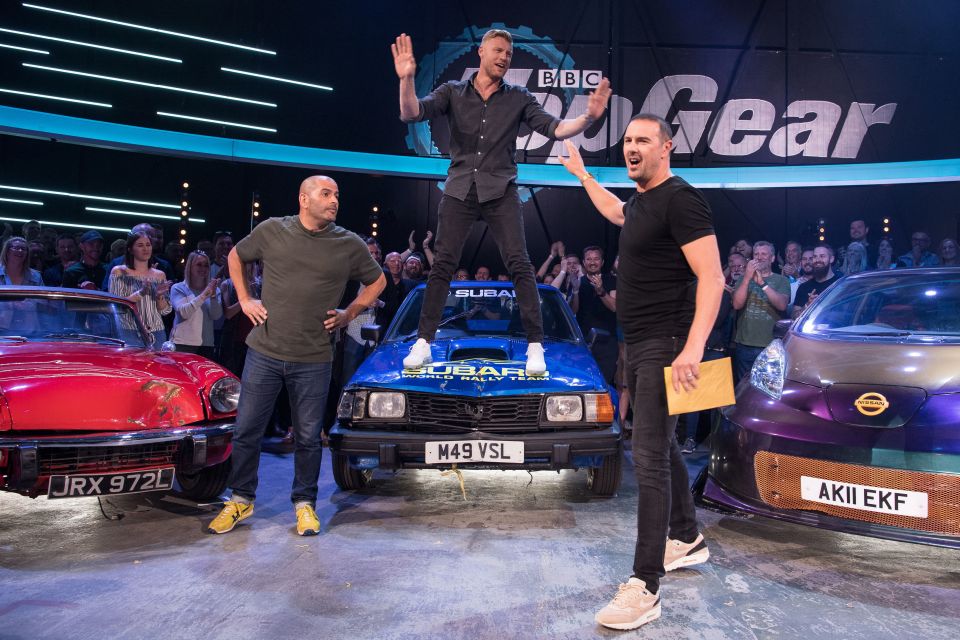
x: 570, y: 78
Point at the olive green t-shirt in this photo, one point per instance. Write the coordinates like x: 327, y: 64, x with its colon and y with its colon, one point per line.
x: 756, y: 319
x: 304, y: 275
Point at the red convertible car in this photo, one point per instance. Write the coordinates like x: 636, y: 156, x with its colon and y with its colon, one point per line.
x: 87, y: 408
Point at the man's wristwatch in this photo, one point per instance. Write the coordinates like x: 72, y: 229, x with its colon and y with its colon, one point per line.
x: 586, y: 176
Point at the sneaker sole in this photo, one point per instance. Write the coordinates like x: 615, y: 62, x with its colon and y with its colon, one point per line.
x: 688, y: 561
x: 649, y: 616
x: 308, y: 532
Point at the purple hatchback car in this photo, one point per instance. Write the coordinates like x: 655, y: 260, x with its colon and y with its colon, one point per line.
x: 850, y: 419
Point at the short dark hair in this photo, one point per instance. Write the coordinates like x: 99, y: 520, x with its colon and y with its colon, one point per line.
x: 594, y: 247
x: 220, y: 234
x: 827, y: 247
x: 67, y: 236
x: 666, y: 133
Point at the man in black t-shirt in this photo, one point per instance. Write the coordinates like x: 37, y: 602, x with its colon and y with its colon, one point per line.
x: 595, y: 303
x: 823, y: 277
x: 669, y: 285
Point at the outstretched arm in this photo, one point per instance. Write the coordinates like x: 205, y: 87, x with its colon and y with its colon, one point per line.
x: 406, y: 67
x: 609, y: 205
x: 596, y: 105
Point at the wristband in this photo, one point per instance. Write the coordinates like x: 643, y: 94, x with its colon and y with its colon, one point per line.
x: 586, y: 176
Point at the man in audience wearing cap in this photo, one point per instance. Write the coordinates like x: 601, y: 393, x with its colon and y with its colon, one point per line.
x: 90, y: 271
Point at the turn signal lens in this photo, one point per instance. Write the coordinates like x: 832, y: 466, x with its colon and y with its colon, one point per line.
x: 599, y: 407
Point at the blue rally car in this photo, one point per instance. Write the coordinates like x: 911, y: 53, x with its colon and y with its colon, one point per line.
x: 474, y: 406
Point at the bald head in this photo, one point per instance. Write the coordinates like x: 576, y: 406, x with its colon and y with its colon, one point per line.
x: 319, y: 202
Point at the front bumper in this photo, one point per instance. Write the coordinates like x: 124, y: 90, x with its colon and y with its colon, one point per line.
x: 31, y: 459
x: 384, y: 449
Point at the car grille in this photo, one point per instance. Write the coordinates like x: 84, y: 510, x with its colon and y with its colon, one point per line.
x: 435, y: 413
x: 778, y: 481
x: 65, y: 460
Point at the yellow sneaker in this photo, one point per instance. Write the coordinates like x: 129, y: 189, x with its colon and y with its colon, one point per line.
x: 307, y: 522
x: 230, y: 515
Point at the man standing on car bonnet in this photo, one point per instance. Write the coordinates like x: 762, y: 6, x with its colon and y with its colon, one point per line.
x: 484, y: 114
x: 307, y: 261
x: 669, y: 285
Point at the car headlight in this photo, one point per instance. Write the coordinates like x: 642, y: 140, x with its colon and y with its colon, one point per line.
x: 353, y: 405
x: 564, y: 408
x: 769, y: 369
x: 386, y: 404
x: 225, y: 395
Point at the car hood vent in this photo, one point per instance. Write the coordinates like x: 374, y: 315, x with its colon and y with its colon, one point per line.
x: 478, y: 353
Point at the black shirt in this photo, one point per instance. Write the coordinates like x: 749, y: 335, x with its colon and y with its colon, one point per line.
x: 79, y: 272
x: 656, y: 289
x: 591, y: 312
x: 811, y: 286
x: 483, y: 135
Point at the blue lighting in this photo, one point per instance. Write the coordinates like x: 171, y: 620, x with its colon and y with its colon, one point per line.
x: 139, y: 214
x: 119, y: 136
x: 87, y: 196
x: 66, y: 224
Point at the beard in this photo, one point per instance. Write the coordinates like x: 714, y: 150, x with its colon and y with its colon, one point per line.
x: 820, y: 271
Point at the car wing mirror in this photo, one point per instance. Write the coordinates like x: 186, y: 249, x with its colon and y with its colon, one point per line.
x: 371, y: 332
x: 597, y: 335
x: 781, y: 328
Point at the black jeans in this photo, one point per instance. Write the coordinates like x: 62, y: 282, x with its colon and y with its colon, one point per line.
x: 663, y: 485
x: 505, y: 222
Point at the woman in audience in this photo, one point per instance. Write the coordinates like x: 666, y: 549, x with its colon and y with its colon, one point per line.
x: 948, y: 252
x: 885, y: 259
x: 197, y: 303
x: 854, y: 259
x: 14, y: 267
x: 146, y: 287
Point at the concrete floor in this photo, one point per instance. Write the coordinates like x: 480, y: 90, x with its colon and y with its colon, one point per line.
x: 409, y: 558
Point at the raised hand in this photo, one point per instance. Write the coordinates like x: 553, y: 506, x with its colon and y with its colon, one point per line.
x: 410, y: 243
x: 597, y: 103
x: 426, y: 240
x: 573, y: 163
x: 403, y: 60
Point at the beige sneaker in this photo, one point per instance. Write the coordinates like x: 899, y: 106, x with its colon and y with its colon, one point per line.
x: 681, y: 554
x: 631, y: 607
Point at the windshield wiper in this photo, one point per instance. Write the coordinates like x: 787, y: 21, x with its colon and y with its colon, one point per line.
x: 14, y: 338
x: 457, y: 316
x: 86, y: 337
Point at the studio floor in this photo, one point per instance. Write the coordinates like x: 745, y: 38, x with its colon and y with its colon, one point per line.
x: 410, y: 558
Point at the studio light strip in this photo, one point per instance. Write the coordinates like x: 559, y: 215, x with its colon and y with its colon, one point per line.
x: 142, y: 27
x: 276, y: 78
x: 61, y: 98
x: 141, y: 214
x: 148, y: 84
x: 66, y: 224
x: 223, y: 122
x: 88, y: 196
x: 89, y: 44
x: 13, y: 200
x: 27, y: 49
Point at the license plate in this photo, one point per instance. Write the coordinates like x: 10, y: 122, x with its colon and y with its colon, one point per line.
x: 474, y: 451
x: 110, y: 484
x: 865, y: 498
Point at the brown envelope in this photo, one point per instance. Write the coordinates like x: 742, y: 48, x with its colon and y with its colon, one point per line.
x: 714, y: 388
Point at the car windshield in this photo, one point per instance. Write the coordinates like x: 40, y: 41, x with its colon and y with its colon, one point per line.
x: 44, y: 318
x: 921, y: 304
x: 484, y: 311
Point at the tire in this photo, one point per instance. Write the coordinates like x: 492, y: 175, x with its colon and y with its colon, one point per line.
x: 605, y: 479
x: 348, y: 478
x: 207, y: 483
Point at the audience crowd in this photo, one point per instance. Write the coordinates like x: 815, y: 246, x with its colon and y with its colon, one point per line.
x: 189, y: 299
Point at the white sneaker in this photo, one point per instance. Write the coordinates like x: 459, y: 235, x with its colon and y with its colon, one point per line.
x: 419, y: 355
x: 631, y: 607
x: 535, y: 364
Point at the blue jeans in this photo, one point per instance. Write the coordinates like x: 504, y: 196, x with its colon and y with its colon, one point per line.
x: 307, y: 384
x: 665, y: 504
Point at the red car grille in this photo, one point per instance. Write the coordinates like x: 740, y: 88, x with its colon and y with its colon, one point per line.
x: 778, y: 481
x: 65, y: 460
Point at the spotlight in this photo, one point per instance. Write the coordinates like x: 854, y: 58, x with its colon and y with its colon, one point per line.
x: 183, y: 241
x: 821, y: 238
x: 184, y: 203
x: 376, y: 208
x: 886, y: 229
x: 374, y: 233
x: 374, y: 225
x: 886, y: 221
x: 186, y: 185
x: 183, y: 232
